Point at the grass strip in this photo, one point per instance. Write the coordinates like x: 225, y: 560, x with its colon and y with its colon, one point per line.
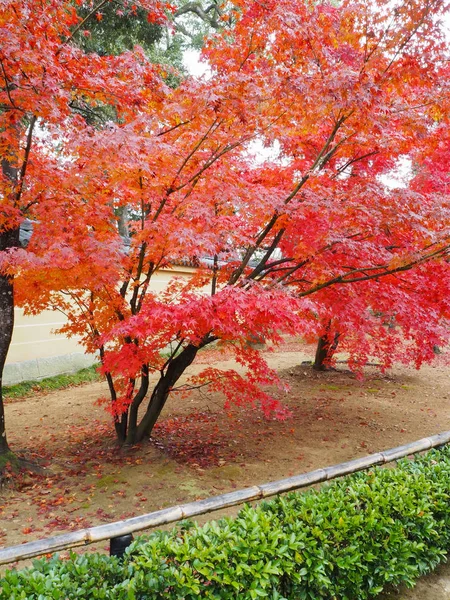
x: 57, y: 382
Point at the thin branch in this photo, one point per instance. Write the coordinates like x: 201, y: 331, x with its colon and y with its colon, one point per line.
x: 385, y: 271
x: 407, y: 39
x: 8, y: 90
x: 88, y: 112
x: 214, y: 277
x: 274, y: 266
x: 354, y: 160
x: 173, y: 128
x: 215, y: 157
x: 260, y: 267
x: 369, y: 55
x: 197, y: 9
x: 214, y: 125
x: 227, y: 148
x: 171, y: 189
x: 173, y: 354
x: 322, y: 158
x: 185, y: 387
x: 144, y: 286
x: 23, y: 169
x: 139, y: 269
x: 291, y: 271
x: 248, y: 54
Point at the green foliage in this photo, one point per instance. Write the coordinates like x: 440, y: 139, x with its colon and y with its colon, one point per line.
x: 88, y: 576
x: 349, y: 541
x: 120, y: 26
x: 116, y: 27
x: 58, y: 382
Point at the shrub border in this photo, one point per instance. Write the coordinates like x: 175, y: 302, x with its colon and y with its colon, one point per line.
x: 173, y: 514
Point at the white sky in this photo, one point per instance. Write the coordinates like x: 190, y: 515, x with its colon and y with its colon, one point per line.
x: 191, y: 59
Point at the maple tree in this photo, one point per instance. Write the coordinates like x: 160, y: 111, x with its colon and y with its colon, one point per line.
x: 343, y: 92
x: 404, y: 318
x: 43, y: 77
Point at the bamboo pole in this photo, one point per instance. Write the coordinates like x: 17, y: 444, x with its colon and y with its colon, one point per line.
x: 200, y: 507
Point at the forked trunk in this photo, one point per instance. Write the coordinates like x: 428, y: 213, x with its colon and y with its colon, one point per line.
x: 137, y: 432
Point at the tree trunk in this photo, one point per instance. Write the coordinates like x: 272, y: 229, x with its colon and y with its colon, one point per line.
x: 120, y: 425
x: 8, y: 239
x: 325, y: 350
x: 161, y: 392
x: 134, y: 407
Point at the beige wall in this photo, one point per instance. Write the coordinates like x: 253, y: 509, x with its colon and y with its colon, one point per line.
x: 37, y: 352
x: 33, y: 337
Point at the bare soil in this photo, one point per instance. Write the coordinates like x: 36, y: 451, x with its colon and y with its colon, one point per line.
x: 198, y: 449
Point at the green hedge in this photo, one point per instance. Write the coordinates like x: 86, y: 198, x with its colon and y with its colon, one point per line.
x: 345, y: 542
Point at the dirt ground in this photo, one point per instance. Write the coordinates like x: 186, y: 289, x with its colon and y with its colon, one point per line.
x: 199, y: 450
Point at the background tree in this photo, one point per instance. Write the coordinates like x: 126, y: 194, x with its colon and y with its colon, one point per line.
x: 343, y: 92
x: 112, y: 27
x: 197, y: 20
x: 116, y: 26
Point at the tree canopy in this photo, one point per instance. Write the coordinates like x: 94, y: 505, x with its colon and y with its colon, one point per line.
x: 284, y: 246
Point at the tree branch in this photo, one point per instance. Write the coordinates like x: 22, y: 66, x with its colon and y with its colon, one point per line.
x: 197, y: 9
x: 384, y: 271
x: 8, y: 88
x: 23, y: 169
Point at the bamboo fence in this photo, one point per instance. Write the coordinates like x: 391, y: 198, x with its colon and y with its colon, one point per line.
x: 176, y: 513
